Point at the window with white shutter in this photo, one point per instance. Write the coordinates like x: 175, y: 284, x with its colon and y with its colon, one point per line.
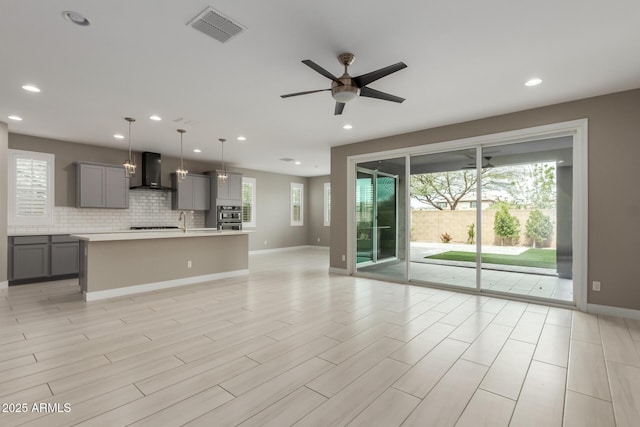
x: 297, y: 198
x: 31, y: 188
x: 248, y: 202
x: 327, y: 204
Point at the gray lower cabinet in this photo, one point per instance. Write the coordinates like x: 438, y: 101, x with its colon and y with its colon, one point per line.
x: 192, y: 193
x: 42, y: 257
x: 30, y: 257
x: 102, y: 186
x: 65, y: 255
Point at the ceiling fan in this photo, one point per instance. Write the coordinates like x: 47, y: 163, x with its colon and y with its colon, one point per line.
x: 485, y: 165
x: 345, y: 88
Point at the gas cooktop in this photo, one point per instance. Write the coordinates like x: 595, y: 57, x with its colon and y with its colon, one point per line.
x: 155, y: 227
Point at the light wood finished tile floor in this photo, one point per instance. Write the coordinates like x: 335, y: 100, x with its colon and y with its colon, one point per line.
x: 292, y: 345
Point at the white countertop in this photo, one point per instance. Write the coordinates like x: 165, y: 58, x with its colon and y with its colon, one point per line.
x: 43, y: 233
x: 76, y: 231
x: 155, y: 234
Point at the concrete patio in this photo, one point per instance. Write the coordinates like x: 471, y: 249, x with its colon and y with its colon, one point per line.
x: 525, y: 281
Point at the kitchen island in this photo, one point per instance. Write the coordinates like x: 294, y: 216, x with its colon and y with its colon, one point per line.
x: 116, y: 264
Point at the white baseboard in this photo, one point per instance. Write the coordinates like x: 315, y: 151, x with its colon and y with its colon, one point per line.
x: 613, y: 311
x: 146, y: 287
x: 341, y: 271
x: 285, y: 249
x: 4, y: 285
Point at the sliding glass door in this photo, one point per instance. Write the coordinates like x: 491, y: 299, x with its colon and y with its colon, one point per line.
x: 379, y: 218
x: 366, y: 245
x: 495, y: 218
x: 443, y: 218
x: 527, y: 220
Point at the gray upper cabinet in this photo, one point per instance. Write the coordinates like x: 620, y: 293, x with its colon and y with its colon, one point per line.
x: 201, y: 193
x: 228, y: 192
x: 183, y: 197
x: 192, y: 193
x: 116, y: 187
x: 90, y: 186
x: 102, y: 186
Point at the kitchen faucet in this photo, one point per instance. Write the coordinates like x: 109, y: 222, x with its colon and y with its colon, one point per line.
x: 182, y: 217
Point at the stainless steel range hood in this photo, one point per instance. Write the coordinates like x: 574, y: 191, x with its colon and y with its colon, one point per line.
x: 150, y: 176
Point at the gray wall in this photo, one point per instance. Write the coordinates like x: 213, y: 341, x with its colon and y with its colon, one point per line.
x: 273, y: 190
x: 317, y: 229
x: 614, y: 208
x: 4, y: 160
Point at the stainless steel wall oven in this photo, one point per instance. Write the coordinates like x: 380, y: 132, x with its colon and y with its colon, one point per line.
x: 229, y: 217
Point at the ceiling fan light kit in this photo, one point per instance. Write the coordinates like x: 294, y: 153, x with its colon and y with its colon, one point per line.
x: 346, y: 88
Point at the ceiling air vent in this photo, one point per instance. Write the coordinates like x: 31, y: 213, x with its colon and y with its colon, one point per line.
x: 214, y: 24
x: 287, y: 159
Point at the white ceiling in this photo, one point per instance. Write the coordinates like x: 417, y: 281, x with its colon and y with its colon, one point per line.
x: 466, y: 60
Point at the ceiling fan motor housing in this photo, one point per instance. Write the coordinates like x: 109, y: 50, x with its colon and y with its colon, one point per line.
x: 346, y: 91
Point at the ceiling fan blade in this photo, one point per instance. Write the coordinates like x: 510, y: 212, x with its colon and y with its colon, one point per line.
x: 309, y: 63
x: 371, y: 77
x: 339, y: 108
x: 372, y: 93
x: 303, y: 93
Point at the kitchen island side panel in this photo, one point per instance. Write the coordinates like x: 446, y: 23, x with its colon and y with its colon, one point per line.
x: 123, y: 263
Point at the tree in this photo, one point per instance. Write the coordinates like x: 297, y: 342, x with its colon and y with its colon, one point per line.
x: 471, y: 233
x: 506, y: 225
x: 534, y: 186
x: 452, y: 186
x: 538, y: 227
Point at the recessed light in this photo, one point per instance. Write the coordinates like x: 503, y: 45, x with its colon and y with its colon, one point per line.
x: 197, y: 150
x: 241, y: 138
x: 155, y: 118
x: 298, y: 162
x: 76, y: 18
x: 118, y: 136
x: 16, y: 118
x: 533, y: 82
x: 347, y: 127
x: 31, y: 88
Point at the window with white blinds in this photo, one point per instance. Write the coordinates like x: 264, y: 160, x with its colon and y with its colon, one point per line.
x: 31, y: 185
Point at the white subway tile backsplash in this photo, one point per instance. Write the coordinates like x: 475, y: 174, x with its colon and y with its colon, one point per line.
x: 146, y: 208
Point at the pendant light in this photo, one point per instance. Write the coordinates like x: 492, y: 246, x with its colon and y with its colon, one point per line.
x: 181, y: 172
x: 222, y: 174
x: 130, y: 164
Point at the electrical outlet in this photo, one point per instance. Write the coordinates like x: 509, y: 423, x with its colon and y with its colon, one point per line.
x: 344, y: 257
x: 318, y: 240
x: 596, y: 285
x: 265, y: 243
x: 189, y: 264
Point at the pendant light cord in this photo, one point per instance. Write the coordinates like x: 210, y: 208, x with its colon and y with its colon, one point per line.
x: 129, y: 141
x: 181, y: 158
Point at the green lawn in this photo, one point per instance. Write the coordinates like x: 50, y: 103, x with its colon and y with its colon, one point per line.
x: 542, y: 258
